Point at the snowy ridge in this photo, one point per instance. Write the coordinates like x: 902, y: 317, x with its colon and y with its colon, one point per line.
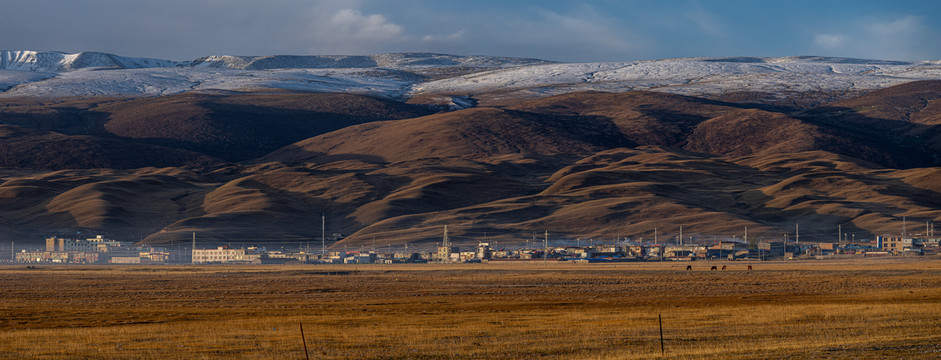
x: 693, y: 76
x: 390, y: 61
x: 57, y: 74
x: 53, y: 61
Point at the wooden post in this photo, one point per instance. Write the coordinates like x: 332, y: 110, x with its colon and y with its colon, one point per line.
x: 660, y: 320
x: 306, y: 355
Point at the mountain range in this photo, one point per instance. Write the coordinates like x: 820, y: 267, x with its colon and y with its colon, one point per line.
x: 390, y: 148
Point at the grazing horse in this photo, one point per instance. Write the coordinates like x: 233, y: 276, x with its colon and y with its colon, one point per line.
x: 749, y: 267
x: 723, y: 267
x: 689, y: 267
x: 713, y: 268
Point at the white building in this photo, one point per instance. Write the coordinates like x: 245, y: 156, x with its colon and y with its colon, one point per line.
x: 222, y: 255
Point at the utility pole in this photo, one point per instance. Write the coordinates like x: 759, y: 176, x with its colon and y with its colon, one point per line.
x: 903, y: 227
x: 797, y: 234
x: 746, y: 236
x: 323, y: 235
x: 193, y: 252
x: 545, y: 256
x: 655, y: 236
x: 446, y: 244
x: 681, y: 235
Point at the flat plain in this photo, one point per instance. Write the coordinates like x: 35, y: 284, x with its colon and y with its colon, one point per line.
x: 849, y: 308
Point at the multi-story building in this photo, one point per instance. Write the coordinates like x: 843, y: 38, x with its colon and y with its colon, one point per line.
x: 483, y: 251
x: 894, y: 244
x: 222, y: 254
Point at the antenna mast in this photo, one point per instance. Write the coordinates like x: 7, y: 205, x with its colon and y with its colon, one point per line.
x: 445, y: 241
x: 545, y: 256
x: 797, y: 233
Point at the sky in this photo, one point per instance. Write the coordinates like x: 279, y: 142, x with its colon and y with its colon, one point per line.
x: 572, y: 31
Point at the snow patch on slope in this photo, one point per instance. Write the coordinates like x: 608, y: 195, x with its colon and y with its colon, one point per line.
x: 10, y: 79
x: 56, y: 74
x: 390, y: 61
x: 691, y: 76
x: 166, y: 81
x: 53, y: 61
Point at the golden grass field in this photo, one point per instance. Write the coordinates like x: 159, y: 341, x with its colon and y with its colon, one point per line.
x: 856, y: 309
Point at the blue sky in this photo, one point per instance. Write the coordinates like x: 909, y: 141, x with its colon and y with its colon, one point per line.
x: 549, y: 29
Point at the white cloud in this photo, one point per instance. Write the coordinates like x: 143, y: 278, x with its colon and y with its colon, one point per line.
x: 904, y: 38
x: 579, y: 35
x: 705, y: 20
x: 349, y: 31
x: 588, y: 31
x: 458, y: 35
x: 353, y: 25
x: 830, y: 41
x: 900, y: 27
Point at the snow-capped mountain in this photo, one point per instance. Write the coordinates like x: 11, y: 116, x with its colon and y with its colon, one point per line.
x: 400, y: 61
x: 53, y: 61
x: 56, y: 74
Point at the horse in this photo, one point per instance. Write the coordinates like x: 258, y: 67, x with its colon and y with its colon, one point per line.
x: 749, y: 267
x: 723, y: 267
x: 689, y: 267
x: 713, y: 268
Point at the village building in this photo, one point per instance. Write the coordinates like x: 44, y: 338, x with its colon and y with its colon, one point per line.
x: 895, y: 244
x: 222, y: 254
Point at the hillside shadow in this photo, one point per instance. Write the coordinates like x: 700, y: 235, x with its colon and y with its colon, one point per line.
x: 297, y: 155
x: 68, y: 120
x: 904, y: 144
x: 595, y: 130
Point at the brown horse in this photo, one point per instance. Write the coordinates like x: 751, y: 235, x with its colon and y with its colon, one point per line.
x: 749, y: 267
x: 723, y: 267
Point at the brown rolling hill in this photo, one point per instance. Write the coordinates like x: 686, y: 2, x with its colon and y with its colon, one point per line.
x: 35, y: 149
x: 619, y: 192
x: 642, y: 117
x: 580, y: 123
x: 229, y: 126
x: 917, y: 102
x: 239, y: 127
x: 590, y: 166
x: 906, y: 116
x: 464, y: 133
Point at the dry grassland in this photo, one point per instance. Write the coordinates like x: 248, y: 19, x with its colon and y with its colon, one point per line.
x: 859, y: 309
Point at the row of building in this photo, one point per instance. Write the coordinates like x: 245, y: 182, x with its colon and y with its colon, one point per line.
x: 100, y: 250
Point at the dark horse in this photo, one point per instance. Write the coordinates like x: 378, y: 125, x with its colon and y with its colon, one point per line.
x: 713, y: 267
x: 689, y: 267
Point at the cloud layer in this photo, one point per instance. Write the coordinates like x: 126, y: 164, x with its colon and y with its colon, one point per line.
x: 901, y: 38
x: 555, y: 30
